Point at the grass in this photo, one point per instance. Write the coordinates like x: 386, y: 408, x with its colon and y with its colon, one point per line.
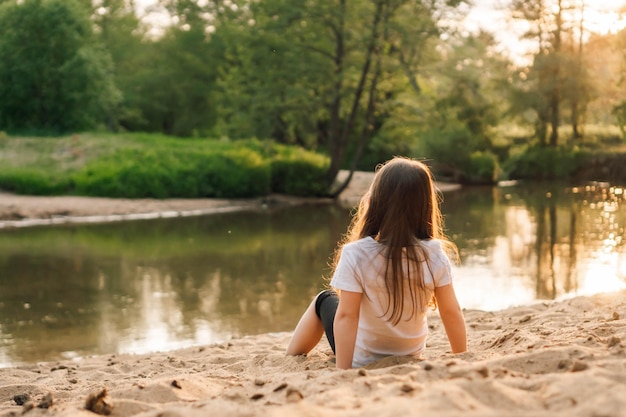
x: 150, y: 165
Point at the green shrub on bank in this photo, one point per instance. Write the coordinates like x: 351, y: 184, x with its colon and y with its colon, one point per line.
x: 296, y: 171
x: 139, y: 173
x: 543, y: 163
x: 482, y: 168
x: 32, y: 181
x: 156, y: 166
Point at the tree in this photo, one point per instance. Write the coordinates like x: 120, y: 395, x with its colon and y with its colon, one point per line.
x: 53, y: 76
x: 460, y: 108
x: 615, y: 97
x: 325, y: 72
x: 559, y: 73
x: 577, y: 90
x: 555, y: 73
x: 168, y: 81
x: 270, y: 81
x: 121, y: 33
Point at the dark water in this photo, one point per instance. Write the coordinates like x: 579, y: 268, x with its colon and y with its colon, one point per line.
x: 70, y: 291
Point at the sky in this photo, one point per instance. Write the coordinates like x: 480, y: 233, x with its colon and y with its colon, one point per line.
x: 601, y: 16
x: 491, y: 15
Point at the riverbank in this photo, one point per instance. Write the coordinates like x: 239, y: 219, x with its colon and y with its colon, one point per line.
x: 560, y: 359
x: 563, y: 359
x: 22, y: 211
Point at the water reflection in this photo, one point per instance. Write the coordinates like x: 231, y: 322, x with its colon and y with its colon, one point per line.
x: 163, y: 284
x: 523, y: 244
x: 157, y: 285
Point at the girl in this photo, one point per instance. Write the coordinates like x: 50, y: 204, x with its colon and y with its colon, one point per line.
x: 390, y: 268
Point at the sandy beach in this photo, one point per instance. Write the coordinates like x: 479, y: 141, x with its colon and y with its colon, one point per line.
x: 562, y: 358
x: 551, y: 359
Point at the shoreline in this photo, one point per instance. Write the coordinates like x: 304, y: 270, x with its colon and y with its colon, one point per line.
x: 17, y: 211
x: 561, y: 359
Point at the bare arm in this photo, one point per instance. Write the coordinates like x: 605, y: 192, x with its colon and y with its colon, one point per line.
x: 345, y: 327
x: 452, y: 318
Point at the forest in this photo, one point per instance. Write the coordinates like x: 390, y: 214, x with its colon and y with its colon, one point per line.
x: 357, y: 81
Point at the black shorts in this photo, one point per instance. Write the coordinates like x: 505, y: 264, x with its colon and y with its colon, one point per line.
x: 325, y: 307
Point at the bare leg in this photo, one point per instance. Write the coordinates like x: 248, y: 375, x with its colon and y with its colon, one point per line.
x: 307, y: 334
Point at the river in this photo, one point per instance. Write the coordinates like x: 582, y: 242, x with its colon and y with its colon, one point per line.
x: 153, y: 285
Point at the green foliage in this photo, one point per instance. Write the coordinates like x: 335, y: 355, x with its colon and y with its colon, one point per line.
x: 449, y: 142
x: 323, y: 74
x: 619, y: 111
x: 157, y: 166
x: 456, y: 115
x: 597, y: 137
x: 276, y: 71
x: 382, y: 147
x: 171, y: 85
x: 32, y: 181
x: 326, y: 75
x: 137, y: 173
x: 298, y: 172
x: 560, y: 83
x: 452, y: 149
x: 119, y: 30
x: 53, y: 77
x: 482, y: 168
x: 544, y: 163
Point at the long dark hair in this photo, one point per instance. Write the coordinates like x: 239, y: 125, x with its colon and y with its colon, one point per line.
x: 400, y: 209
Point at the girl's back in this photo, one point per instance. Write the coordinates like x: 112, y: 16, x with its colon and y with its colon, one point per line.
x: 361, y: 269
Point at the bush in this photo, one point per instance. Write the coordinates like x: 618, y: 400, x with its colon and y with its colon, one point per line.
x: 53, y: 76
x: 541, y: 163
x: 482, y: 168
x: 32, y: 181
x: 299, y: 172
x: 237, y: 173
x: 156, y: 166
x: 139, y: 173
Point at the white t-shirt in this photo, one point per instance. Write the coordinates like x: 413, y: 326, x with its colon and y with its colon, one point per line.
x: 360, y: 269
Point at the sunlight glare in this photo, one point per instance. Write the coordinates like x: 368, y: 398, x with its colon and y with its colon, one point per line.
x: 472, y: 280
x: 602, y: 21
x: 605, y: 269
x: 162, y: 325
x: 604, y: 273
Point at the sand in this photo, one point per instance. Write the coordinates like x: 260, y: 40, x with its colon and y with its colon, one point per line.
x: 551, y: 359
x: 24, y: 211
x: 564, y: 358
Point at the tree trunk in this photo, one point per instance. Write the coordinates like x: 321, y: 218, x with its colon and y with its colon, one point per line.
x: 575, y: 117
x: 576, y: 102
x: 555, y: 96
x: 366, y: 132
x: 554, y: 117
x: 334, y: 130
x: 341, y: 135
